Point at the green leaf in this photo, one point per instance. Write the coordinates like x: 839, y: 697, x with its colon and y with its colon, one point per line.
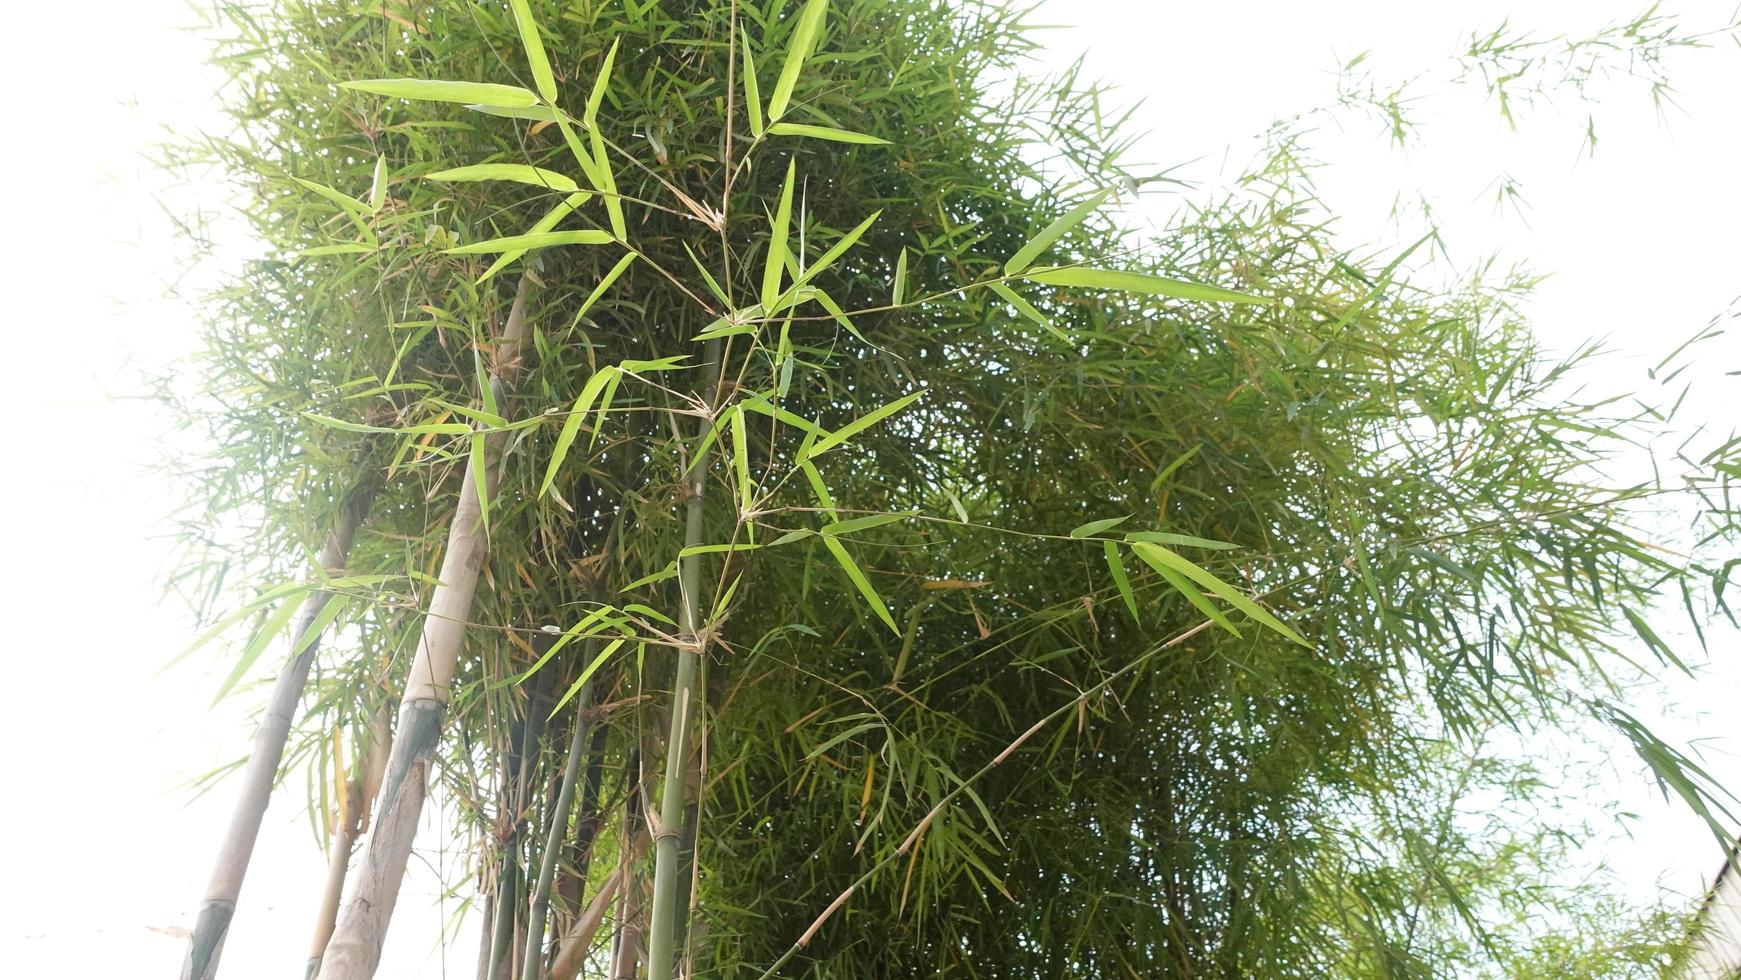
x: 825, y: 133
x: 605, y: 283
x: 741, y: 458
x: 777, y: 241
x: 262, y: 638
x: 1026, y: 255
x: 596, y: 97
x: 343, y: 200
x: 1026, y: 309
x: 1183, y: 540
x: 437, y: 428
x: 752, y: 92
x: 900, y: 290
x: 517, y: 172
x: 858, y: 578
x: 1191, y: 593
x: 1116, y: 565
x: 863, y: 523
x: 1137, y: 282
x: 348, y: 248
x: 524, y: 243
x: 546, y: 223
x: 835, y: 438
x: 803, y: 41
x: 536, y: 113
x: 427, y: 90
x: 378, y: 187
x: 571, y: 425
x: 479, y: 462
x: 535, y: 56
x: 1092, y: 528
x: 586, y: 675
x: 604, y: 405
x: 607, y: 186
x: 1234, y: 597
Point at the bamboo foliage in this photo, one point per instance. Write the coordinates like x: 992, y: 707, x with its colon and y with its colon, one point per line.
x: 959, y: 584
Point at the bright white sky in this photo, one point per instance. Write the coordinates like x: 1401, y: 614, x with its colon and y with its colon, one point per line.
x: 108, y: 853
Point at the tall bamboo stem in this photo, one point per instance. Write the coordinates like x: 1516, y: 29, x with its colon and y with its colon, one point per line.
x: 558, y: 830
x: 667, y: 860
x: 517, y: 803
x: 206, y: 944
x: 359, y: 799
x: 355, y: 949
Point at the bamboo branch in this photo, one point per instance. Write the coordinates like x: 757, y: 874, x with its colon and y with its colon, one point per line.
x: 206, y: 944
x: 359, y: 799
x: 355, y: 949
x: 540, y: 904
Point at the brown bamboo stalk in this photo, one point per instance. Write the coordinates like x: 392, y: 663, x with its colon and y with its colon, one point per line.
x: 355, y: 949
x: 206, y: 945
x: 359, y: 800
x: 577, y: 944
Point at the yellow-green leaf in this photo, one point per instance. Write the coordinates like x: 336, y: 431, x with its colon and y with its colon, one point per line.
x: 1116, y: 565
x: 1026, y: 255
x: 571, y: 425
x: 535, y: 56
x: 430, y: 90
x: 1137, y: 282
x: 825, y: 133
x: 858, y: 579
x: 1234, y: 597
x: 845, y: 432
x: 519, y: 173
x: 752, y: 93
x: 776, y: 259
x: 803, y: 41
x: 525, y: 242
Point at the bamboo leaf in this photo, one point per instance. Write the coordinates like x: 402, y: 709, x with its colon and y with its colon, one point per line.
x: 536, y: 59
x: 858, y: 579
x: 1183, y: 540
x: 347, y: 248
x: 1115, y: 564
x: 604, y: 405
x: 752, y: 92
x: 776, y: 259
x: 741, y: 458
x: 262, y: 638
x: 571, y: 425
x: 524, y: 243
x: 1026, y: 309
x: 1137, y: 282
x: 1026, y: 255
x: 863, y: 523
x: 519, y: 173
x: 1092, y: 528
x: 334, y: 605
x: 378, y: 187
x: 586, y: 674
x: 546, y: 223
x: 845, y: 432
x: 343, y: 200
x: 1234, y: 597
x: 900, y: 291
x: 825, y: 133
x: 435, y: 428
x: 605, y: 283
x: 535, y: 113
x: 803, y: 41
x: 479, y: 462
x: 427, y: 90
x: 607, y: 186
x: 596, y: 97
x: 1190, y: 592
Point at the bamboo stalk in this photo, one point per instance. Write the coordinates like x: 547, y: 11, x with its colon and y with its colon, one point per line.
x: 578, y: 943
x: 355, y: 949
x: 667, y: 860
x: 359, y: 799
x: 206, y: 945
x: 558, y: 830
x: 517, y: 797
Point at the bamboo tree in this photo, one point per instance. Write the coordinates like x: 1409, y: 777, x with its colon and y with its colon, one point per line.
x: 261, y: 773
x: 553, y: 839
x: 355, y: 948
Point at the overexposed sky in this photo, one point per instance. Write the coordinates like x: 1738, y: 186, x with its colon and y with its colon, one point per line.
x: 109, y: 853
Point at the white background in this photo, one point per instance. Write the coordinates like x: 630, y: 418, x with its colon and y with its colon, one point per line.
x: 107, y: 854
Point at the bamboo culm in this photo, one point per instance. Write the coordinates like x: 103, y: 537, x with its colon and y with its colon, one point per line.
x: 206, y: 944
x: 662, y: 927
x: 355, y: 949
x: 359, y: 800
x: 540, y: 897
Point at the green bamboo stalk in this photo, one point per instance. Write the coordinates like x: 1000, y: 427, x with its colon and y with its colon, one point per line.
x: 667, y: 860
x: 206, y: 944
x: 511, y: 875
x: 558, y: 829
x: 355, y: 949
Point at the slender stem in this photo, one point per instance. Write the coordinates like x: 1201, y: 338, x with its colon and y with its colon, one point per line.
x: 667, y: 859
x: 508, y: 887
x: 359, y: 797
x: 206, y: 944
x: 558, y: 830
x: 355, y: 949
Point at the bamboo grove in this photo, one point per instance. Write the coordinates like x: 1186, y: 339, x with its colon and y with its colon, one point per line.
x: 770, y: 501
